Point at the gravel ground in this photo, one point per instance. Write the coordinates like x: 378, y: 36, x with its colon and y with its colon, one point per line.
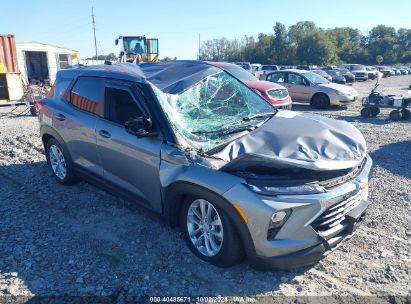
x: 80, y: 240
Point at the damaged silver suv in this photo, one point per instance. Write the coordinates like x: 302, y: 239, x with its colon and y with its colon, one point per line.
x: 192, y: 143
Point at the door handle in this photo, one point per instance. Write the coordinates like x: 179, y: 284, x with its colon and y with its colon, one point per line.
x: 60, y: 117
x: 104, y: 133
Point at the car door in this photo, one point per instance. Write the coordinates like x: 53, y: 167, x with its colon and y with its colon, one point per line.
x: 76, y: 122
x: 298, y: 87
x: 130, y: 163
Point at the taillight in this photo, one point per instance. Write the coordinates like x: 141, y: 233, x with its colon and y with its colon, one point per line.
x: 50, y: 92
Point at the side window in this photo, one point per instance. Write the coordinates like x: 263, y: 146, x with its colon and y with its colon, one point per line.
x: 85, y: 94
x: 276, y: 77
x: 120, y: 105
x: 295, y: 79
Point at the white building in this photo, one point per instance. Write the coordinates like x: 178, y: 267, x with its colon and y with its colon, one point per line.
x: 40, y: 62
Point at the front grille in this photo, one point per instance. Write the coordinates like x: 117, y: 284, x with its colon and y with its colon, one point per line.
x: 360, y: 74
x: 332, y: 224
x: 335, y: 181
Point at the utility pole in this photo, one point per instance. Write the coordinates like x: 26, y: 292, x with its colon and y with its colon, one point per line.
x: 199, y: 46
x: 94, y: 30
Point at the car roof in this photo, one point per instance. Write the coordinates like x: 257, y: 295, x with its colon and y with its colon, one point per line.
x: 222, y: 64
x: 170, y: 77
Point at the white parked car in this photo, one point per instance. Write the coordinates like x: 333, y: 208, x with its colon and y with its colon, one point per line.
x: 266, y: 69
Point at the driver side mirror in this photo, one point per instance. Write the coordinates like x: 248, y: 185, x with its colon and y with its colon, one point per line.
x: 116, y: 41
x: 140, y: 126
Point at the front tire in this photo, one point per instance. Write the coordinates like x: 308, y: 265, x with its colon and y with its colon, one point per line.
x: 320, y: 101
x: 209, y: 233
x: 60, y: 163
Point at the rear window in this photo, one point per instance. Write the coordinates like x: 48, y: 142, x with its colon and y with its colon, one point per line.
x: 86, y: 94
x: 60, y: 86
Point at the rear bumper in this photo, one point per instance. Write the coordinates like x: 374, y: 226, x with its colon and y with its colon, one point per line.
x: 311, y: 255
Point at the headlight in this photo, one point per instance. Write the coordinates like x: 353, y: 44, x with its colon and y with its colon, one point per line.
x: 278, y: 93
x: 277, y: 220
x: 276, y: 190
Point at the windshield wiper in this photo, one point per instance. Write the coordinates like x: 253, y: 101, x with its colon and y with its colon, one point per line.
x: 240, y: 128
x: 225, y: 131
x: 259, y: 115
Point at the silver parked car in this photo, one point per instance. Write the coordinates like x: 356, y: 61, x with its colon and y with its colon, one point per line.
x: 190, y: 142
x: 309, y: 87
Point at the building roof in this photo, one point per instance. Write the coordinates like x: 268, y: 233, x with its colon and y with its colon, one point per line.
x: 47, y: 44
x: 170, y: 77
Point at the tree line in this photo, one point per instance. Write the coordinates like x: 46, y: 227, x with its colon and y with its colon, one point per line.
x: 306, y: 43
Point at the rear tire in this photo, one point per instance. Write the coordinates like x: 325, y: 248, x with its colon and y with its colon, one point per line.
x: 218, y: 231
x: 60, y: 163
x: 366, y: 112
x: 395, y: 115
x: 320, y: 101
x: 405, y: 114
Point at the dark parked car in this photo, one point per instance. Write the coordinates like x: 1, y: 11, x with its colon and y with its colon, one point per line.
x: 337, y: 76
x: 349, y: 77
x: 192, y: 143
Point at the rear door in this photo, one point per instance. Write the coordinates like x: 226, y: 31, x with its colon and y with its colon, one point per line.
x: 76, y: 123
x: 129, y: 162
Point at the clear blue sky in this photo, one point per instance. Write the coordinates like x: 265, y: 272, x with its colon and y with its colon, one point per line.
x: 177, y: 23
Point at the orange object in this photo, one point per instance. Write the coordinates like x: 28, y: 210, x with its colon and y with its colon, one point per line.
x: 8, y: 54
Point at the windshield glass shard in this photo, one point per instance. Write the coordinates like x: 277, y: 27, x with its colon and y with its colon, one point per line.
x: 202, y: 115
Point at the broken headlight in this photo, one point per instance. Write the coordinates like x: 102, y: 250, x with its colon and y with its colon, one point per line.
x: 294, y: 190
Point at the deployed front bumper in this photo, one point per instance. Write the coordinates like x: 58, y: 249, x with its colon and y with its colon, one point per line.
x: 319, y: 223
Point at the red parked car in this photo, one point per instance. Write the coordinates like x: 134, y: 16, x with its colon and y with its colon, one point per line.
x: 273, y: 93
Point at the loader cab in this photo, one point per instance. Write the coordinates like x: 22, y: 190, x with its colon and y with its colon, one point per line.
x: 137, y: 49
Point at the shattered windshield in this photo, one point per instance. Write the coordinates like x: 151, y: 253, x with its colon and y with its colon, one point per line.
x: 213, y: 112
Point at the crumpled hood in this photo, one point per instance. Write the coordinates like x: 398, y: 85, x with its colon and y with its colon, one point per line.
x: 294, y: 139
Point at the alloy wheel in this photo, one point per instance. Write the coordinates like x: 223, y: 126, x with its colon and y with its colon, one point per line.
x: 205, y: 227
x: 57, y: 162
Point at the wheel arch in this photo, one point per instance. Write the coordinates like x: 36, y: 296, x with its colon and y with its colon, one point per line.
x: 177, y: 192
x: 47, y: 133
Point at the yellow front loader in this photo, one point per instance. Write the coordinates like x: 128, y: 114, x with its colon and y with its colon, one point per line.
x: 137, y: 49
